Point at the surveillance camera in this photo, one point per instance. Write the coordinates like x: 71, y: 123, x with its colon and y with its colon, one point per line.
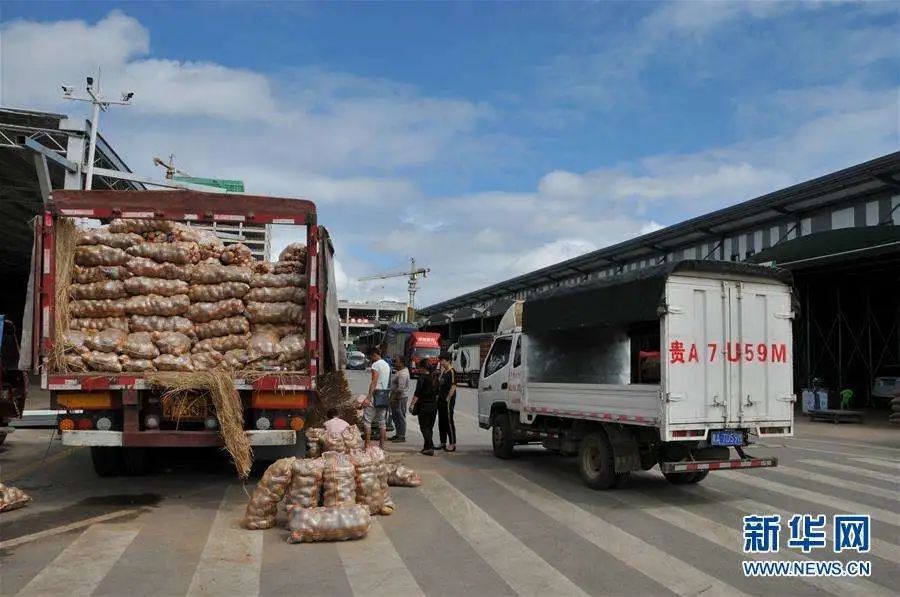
x: 90, y: 82
x: 126, y: 97
x: 67, y: 89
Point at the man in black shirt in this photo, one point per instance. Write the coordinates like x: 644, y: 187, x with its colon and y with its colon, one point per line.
x: 424, y: 405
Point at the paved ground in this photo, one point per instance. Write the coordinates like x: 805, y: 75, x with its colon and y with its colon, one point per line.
x: 478, y: 526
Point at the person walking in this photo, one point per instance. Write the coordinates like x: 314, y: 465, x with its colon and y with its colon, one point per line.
x: 446, y: 403
x: 424, y: 405
x: 378, y: 398
x: 401, y: 388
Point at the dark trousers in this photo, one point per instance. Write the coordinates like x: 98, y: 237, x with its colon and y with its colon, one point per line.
x: 426, y: 426
x: 446, y: 424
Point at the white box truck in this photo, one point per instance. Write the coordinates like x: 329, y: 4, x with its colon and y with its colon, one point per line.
x: 567, y: 369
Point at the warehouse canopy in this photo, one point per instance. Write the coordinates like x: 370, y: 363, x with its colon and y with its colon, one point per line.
x: 833, y: 246
x: 630, y: 298
x: 466, y: 313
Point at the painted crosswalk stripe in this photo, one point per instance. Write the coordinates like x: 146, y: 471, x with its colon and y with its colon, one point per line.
x: 838, y: 482
x: 522, y: 569
x: 81, y: 566
x: 847, y: 444
x: 855, y: 470
x: 677, y: 575
x: 232, y: 558
x: 880, y: 462
x: 374, y: 567
x: 818, y: 451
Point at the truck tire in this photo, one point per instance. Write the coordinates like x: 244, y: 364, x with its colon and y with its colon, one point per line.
x: 502, y: 436
x: 135, y: 461
x: 596, y: 462
x: 685, y: 478
x: 107, y: 461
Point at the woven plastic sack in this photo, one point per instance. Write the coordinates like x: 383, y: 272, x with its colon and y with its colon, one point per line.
x: 217, y: 292
x: 333, y: 442
x: 98, y: 308
x: 174, y: 343
x: 314, y: 437
x: 263, y: 345
x: 306, y: 482
x: 12, y: 498
x: 160, y: 286
x: 140, y: 226
x: 102, y: 236
x: 110, y: 289
x: 136, y: 365
x: 157, y: 323
x: 237, y: 254
x: 204, y: 361
x: 277, y: 280
x: 222, y: 327
x: 368, y: 488
x: 154, y: 304
x: 107, y: 341
x: 352, y: 438
x: 279, y: 329
x: 211, y: 273
x: 98, y: 323
x: 74, y: 363
x: 400, y: 475
x: 327, y: 524
x: 142, y: 266
x: 285, y: 294
x: 139, y: 345
x: 274, y: 312
x: 170, y: 362
x: 270, y: 490
x: 223, y: 344
x: 293, y: 252
x: 85, y: 274
x: 206, y: 312
x: 177, y: 253
x: 92, y: 255
x: 289, y: 267
x: 293, y: 348
x: 236, y: 358
x: 102, y: 361
x: 338, y: 481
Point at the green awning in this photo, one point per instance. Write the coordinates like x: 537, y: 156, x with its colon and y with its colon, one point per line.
x: 845, y: 244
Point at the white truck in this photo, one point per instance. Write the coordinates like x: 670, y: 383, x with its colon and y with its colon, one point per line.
x: 468, y: 354
x: 565, y: 370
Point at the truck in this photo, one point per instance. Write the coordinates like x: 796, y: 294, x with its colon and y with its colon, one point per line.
x: 468, y: 354
x: 119, y: 415
x: 422, y: 345
x: 570, y: 371
x: 396, y: 338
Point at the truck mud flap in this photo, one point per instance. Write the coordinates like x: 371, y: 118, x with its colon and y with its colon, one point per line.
x: 716, y: 465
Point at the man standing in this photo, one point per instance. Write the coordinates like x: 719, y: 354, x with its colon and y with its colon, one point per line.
x: 378, y: 398
x: 401, y: 389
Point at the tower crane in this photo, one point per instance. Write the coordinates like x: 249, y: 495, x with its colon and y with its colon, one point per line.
x: 413, y: 273
x: 171, y: 170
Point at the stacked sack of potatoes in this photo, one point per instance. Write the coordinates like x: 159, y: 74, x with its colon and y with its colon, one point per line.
x: 154, y: 295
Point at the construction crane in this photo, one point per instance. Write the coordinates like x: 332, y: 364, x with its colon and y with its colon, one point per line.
x: 413, y: 273
x: 171, y: 170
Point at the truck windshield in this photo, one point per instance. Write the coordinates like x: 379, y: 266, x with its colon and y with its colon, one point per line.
x: 426, y: 352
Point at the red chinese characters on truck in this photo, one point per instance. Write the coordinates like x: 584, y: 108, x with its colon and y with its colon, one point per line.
x: 733, y: 352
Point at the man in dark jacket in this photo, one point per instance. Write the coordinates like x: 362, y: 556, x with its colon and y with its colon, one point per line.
x: 424, y: 404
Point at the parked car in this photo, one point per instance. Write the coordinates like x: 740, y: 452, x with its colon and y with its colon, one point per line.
x: 887, y: 384
x: 356, y: 360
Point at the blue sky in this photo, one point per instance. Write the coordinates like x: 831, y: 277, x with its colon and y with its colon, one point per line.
x: 485, y: 139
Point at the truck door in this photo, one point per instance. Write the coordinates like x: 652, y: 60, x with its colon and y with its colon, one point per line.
x: 494, y: 383
x: 516, y: 389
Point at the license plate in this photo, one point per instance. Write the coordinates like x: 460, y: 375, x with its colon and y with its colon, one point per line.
x: 726, y: 438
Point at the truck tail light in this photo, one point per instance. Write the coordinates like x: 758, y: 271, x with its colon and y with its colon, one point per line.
x: 66, y: 425
x: 689, y: 433
x: 297, y: 423
x: 104, y: 424
x: 84, y: 424
x: 263, y: 423
x: 151, y: 421
x: 279, y: 400
x: 85, y: 400
x: 280, y: 423
x: 211, y: 423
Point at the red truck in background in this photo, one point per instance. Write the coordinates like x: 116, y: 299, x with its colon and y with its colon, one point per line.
x: 119, y: 415
x: 422, y: 345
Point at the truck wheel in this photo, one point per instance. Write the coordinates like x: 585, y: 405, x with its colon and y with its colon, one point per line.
x: 502, y: 436
x: 595, y: 462
x: 135, y: 461
x: 107, y: 461
x: 685, y: 478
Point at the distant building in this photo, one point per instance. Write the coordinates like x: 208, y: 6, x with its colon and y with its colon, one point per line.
x: 360, y: 316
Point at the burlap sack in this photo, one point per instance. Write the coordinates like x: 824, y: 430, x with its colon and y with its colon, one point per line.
x: 274, y: 312
x: 223, y: 344
x: 293, y: 252
x: 140, y: 226
x: 88, y: 309
x: 102, y: 361
x: 136, y: 365
x: 277, y: 280
x: 177, y: 253
x: 368, y: 487
x: 237, y: 254
x: 171, y: 362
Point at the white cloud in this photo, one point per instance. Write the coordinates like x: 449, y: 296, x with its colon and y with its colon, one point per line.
x: 550, y: 253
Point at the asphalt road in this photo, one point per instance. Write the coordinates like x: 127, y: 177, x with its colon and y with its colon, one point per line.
x: 477, y: 526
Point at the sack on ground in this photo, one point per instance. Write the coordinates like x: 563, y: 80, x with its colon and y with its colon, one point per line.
x: 314, y: 438
x: 327, y: 524
x: 339, y: 484
x: 368, y: 488
x: 382, y: 467
x: 110, y: 289
x: 333, y: 442
x: 12, y: 498
x: 306, y: 482
x: 400, y: 475
x: 270, y: 490
x: 352, y: 438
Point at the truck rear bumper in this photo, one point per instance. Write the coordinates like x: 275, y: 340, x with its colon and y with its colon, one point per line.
x: 174, y: 439
x: 715, y: 465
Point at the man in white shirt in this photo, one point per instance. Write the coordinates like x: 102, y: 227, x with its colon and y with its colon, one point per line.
x: 378, y: 398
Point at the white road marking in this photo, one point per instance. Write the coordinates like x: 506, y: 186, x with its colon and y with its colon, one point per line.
x: 674, y: 574
x: 883, y: 463
x: 65, y: 528
x: 80, y: 567
x: 374, y: 567
x: 232, y: 558
x: 838, y: 482
x: 856, y: 470
x: 522, y: 569
x: 817, y: 451
x: 848, y: 444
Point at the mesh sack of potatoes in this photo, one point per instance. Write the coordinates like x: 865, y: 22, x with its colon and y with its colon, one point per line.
x: 171, y: 362
x: 12, y: 498
x: 160, y: 286
x: 73, y: 340
x: 102, y: 361
x: 211, y: 246
x: 277, y: 280
x: 222, y: 327
x: 293, y: 252
x: 400, y: 475
x: 368, y: 487
x: 154, y: 304
x: 306, y: 482
x: 274, y: 312
x: 327, y: 524
x: 143, y: 266
x: 156, y: 236
x: 98, y: 323
x: 283, y: 294
x: 333, y: 442
x: 352, y: 438
x: 174, y: 343
x: 102, y: 236
x: 237, y: 254
x: 236, y: 358
x: 159, y: 323
x: 223, y: 344
x: 177, y: 253
x: 101, y: 273
x: 94, y: 255
x: 110, y: 289
x: 338, y: 481
x: 262, y: 267
x: 139, y: 345
x: 75, y: 363
x: 293, y: 348
x: 107, y: 341
x: 263, y: 345
x: 213, y: 273
x: 263, y: 504
x: 279, y: 329
x: 314, y: 438
x: 217, y: 292
x: 140, y: 226
x: 382, y: 466
x: 206, y: 312
x: 289, y: 267
x: 206, y: 360
x: 97, y: 308
x: 136, y: 365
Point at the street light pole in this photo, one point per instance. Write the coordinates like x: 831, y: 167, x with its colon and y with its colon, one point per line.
x: 92, y: 147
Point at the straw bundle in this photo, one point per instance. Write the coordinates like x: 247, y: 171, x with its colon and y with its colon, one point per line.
x: 218, y: 386
x: 334, y: 392
x: 66, y: 237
